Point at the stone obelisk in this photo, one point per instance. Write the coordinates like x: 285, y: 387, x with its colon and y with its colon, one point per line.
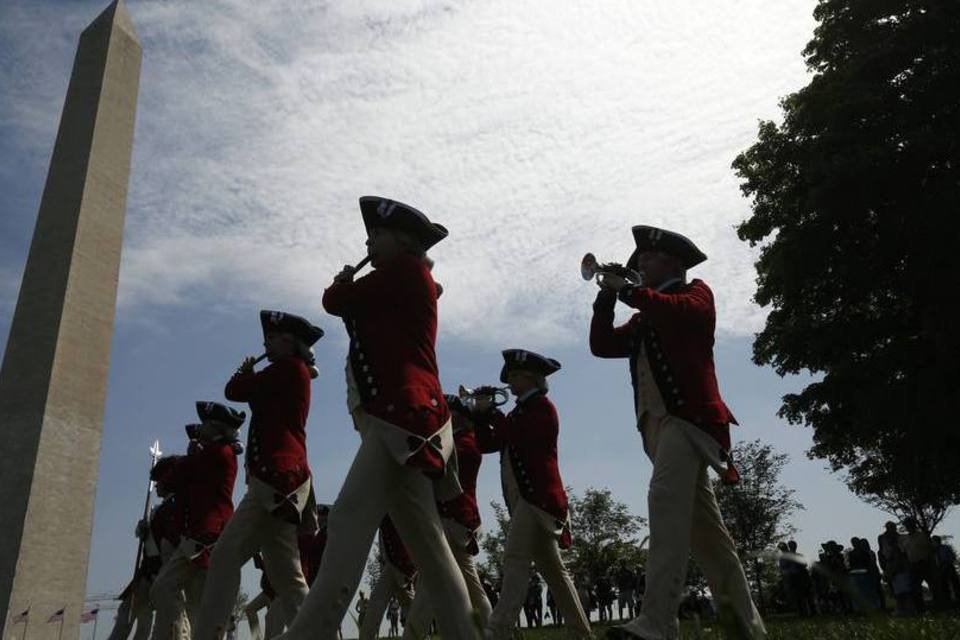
x: 53, y: 382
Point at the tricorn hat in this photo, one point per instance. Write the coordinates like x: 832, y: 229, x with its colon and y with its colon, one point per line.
x: 162, y: 471
x: 669, y: 242
x: 523, y: 360
x: 390, y: 214
x: 220, y: 413
x: 283, y: 322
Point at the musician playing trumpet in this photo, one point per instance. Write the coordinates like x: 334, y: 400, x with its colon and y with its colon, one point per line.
x: 684, y: 424
x: 526, y: 439
x: 279, y: 500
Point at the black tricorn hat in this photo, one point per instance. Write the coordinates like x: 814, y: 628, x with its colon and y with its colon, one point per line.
x: 161, y: 471
x: 669, y: 242
x: 523, y: 360
x: 220, y: 413
x: 283, y: 322
x: 390, y: 214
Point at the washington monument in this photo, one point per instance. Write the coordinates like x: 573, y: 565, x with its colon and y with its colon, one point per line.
x: 53, y: 382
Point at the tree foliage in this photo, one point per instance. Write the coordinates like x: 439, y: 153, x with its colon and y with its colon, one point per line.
x: 855, y: 206
x: 604, y: 534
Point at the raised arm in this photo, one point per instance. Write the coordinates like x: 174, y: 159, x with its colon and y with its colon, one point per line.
x: 693, y: 305
x: 607, y: 341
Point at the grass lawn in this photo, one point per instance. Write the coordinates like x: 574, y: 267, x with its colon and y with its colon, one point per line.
x: 853, y: 628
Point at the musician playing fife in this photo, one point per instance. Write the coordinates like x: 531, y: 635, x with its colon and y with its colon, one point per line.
x: 203, y: 485
x: 533, y: 490
x: 279, y: 500
x: 684, y: 424
x: 398, y: 408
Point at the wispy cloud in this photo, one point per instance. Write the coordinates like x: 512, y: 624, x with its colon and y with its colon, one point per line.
x: 534, y: 131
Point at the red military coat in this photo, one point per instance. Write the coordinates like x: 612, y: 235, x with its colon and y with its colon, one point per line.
x: 529, y: 434
x: 204, y: 488
x: 463, y: 509
x: 166, y: 523
x: 393, y: 549
x: 676, y: 326
x: 279, y: 399
x: 391, y: 317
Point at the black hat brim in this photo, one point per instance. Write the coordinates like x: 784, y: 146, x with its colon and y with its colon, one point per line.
x: 402, y: 217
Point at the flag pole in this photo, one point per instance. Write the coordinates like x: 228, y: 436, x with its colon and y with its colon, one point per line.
x: 62, y: 616
x: 96, y: 619
x: 155, y: 454
x: 26, y: 622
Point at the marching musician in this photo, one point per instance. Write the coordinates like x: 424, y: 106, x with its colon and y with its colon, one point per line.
x: 397, y: 574
x: 203, y: 485
x: 161, y: 535
x: 533, y: 490
x: 279, y: 500
x: 398, y: 408
x: 461, y: 524
x: 684, y: 424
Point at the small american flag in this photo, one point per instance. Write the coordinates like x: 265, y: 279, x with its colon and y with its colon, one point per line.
x: 57, y: 617
x: 89, y: 616
x: 22, y: 617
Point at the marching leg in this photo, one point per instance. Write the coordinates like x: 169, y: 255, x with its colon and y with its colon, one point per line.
x: 414, y: 513
x: 548, y: 561
x: 517, y: 556
x: 379, y: 598
x: 170, y: 601
x: 676, y: 467
x: 274, y: 620
x: 352, y: 523
x: 237, y: 544
x: 714, y: 551
x: 281, y: 556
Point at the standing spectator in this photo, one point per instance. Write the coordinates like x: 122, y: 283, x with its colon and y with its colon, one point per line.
x: 361, y: 608
x: 554, y: 614
x: 874, y: 572
x: 945, y: 559
x: 803, y: 584
x: 895, y: 568
x: 919, y: 549
x: 393, y: 617
x: 860, y: 578
x: 605, y: 598
x: 585, y: 593
x: 626, y: 583
x: 835, y: 569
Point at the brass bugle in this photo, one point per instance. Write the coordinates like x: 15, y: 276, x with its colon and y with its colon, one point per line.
x: 498, y: 395
x: 590, y: 268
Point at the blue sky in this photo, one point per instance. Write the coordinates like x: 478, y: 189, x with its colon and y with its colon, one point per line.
x: 535, y: 131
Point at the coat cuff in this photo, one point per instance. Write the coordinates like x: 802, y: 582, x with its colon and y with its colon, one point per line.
x: 628, y: 295
x: 606, y: 301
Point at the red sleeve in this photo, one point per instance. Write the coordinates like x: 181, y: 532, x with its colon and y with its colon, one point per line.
x: 279, y: 375
x: 342, y: 298
x: 693, y: 304
x: 607, y: 341
x: 396, y: 283
x: 241, y: 386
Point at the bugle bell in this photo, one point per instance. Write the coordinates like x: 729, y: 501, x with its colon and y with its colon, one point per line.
x: 590, y: 268
x: 497, y: 395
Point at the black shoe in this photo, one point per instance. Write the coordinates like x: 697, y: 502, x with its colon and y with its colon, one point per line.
x: 621, y: 633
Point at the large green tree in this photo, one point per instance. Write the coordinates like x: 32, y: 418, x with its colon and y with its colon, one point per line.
x: 856, y: 208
